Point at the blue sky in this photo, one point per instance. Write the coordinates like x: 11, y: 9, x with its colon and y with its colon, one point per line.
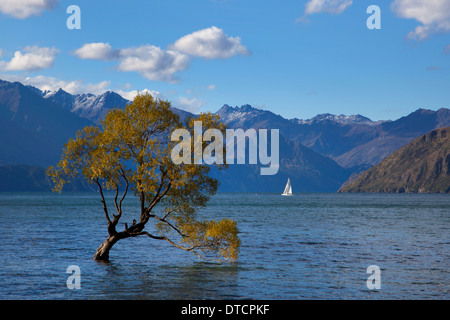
x: 294, y: 58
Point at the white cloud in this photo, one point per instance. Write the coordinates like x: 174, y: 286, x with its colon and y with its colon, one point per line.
x: 1, y: 53
x: 33, y: 59
x: 327, y: 6
x: 95, y: 88
x: 149, y: 61
x: 52, y: 84
x: 434, y: 15
x: 210, y: 43
x: 192, y: 105
x: 97, y: 50
x: 153, y: 62
x: 22, y: 9
x: 211, y: 87
x: 324, y: 6
x: 130, y: 95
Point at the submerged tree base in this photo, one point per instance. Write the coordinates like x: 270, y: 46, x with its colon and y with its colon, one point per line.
x: 103, y: 251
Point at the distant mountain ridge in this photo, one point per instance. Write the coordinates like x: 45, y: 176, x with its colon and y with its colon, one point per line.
x: 352, y: 141
x: 318, y: 154
x: 32, y: 129
x: 421, y: 166
x: 341, y: 119
x: 89, y: 106
x: 23, y: 178
x: 308, y: 170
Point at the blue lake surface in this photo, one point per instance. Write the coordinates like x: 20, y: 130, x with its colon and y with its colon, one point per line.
x: 308, y: 246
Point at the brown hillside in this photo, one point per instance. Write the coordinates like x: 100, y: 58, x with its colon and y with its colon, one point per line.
x: 421, y: 166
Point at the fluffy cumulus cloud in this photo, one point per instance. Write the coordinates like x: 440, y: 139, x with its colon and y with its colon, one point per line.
x: 97, y: 50
x: 31, y: 59
x: 434, y: 16
x: 22, y: 9
x: 210, y: 43
x: 153, y: 62
x: 158, y: 64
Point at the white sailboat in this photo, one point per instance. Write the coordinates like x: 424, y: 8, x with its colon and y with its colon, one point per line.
x: 288, y: 189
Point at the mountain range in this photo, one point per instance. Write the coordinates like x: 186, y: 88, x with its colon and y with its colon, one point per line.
x: 352, y: 141
x: 318, y: 154
x: 88, y: 106
x: 421, y: 166
x: 33, y: 130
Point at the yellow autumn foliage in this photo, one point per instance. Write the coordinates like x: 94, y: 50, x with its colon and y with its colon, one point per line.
x: 131, y: 150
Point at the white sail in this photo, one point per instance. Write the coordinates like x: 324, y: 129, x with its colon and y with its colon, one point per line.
x: 288, y: 189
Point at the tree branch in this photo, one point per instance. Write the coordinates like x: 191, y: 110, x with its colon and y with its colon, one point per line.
x: 168, y: 240
x: 161, y: 183
x: 142, y: 199
x: 171, y: 225
x: 193, y: 248
x: 126, y: 190
x: 169, y: 212
x: 115, y: 199
x: 158, y: 198
x: 119, y: 205
x: 105, y: 209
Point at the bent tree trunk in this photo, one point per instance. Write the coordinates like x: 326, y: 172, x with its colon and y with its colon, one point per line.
x: 103, y: 251
x: 114, y: 236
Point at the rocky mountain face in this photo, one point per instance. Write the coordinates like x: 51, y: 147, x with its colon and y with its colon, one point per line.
x: 421, y: 166
x: 392, y: 135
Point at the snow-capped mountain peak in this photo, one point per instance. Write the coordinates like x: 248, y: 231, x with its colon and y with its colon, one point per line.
x: 341, y: 119
x: 87, y: 105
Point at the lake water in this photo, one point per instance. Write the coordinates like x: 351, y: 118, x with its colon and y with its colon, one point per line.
x: 309, y: 246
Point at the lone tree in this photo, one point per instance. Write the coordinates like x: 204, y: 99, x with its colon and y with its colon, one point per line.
x: 131, y: 151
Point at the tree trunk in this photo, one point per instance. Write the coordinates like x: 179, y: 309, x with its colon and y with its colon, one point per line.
x: 103, y: 251
x: 133, y: 231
